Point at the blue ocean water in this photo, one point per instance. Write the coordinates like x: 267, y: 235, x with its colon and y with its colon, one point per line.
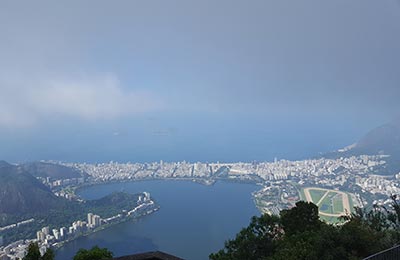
x: 194, y: 220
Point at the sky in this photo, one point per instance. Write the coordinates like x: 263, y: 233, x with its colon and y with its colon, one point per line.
x: 193, y: 80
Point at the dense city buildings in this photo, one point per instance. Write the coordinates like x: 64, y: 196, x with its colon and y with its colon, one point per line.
x: 281, y: 185
x: 281, y: 180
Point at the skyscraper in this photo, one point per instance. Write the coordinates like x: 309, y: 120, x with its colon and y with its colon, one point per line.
x: 40, y: 236
x: 90, y: 219
x: 46, y: 231
x: 63, y: 232
x: 97, y: 220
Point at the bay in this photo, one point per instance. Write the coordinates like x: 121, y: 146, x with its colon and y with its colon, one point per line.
x: 194, y: 220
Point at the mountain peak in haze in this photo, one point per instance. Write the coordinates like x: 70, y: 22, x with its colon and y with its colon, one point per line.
x: 384, y: 139
x: 54, y: 171
x: 4, y: 164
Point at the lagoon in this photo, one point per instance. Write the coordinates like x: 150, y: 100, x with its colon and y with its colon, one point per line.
x: 194, y: 220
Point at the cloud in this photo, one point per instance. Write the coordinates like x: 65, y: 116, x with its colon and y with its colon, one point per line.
x: 30, y: 101
x: 271, y: 58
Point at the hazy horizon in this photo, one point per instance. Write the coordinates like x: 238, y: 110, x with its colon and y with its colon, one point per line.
x: 197, y: 81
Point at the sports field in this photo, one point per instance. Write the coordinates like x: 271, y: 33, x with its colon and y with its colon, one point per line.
x: 331, y: 203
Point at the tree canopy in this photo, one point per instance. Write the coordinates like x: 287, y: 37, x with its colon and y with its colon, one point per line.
x: 96, y: 253
x: 298, y: 233
x: 34, y: 253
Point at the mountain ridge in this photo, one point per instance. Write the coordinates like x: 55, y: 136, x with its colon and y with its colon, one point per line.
x: 382, y: 140
x: 22, y: 193
x: 51, y: 170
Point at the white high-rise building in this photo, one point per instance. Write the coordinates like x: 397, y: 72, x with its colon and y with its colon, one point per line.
x: 40, y: 236
x: 56, y: 234
x: 146, y: 196
x: 90, y: 219
x: 63, y: 232
x: 46, y: 230
x: 75, y: 225
x: 97, y: 220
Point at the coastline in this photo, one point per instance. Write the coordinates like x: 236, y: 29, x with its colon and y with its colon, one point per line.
x: 206, y: 182
x: 103, y: 227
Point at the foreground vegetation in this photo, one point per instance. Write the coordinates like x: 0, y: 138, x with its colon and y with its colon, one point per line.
x: 95, y: 253
x: 298, y: 233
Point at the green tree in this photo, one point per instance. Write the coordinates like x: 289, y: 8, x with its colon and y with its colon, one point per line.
x: 303, y: 217
x: 306, y: 236
x: 34, y: 253
x: 95, y: 253
x: 299, y: 234
x: 49, y: 255
x: 368, y: 231
x: 323, y: 243
x: 254, y: 242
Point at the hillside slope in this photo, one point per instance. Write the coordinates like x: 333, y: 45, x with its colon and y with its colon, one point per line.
x: 54, y: 171
x: 22, y: 193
